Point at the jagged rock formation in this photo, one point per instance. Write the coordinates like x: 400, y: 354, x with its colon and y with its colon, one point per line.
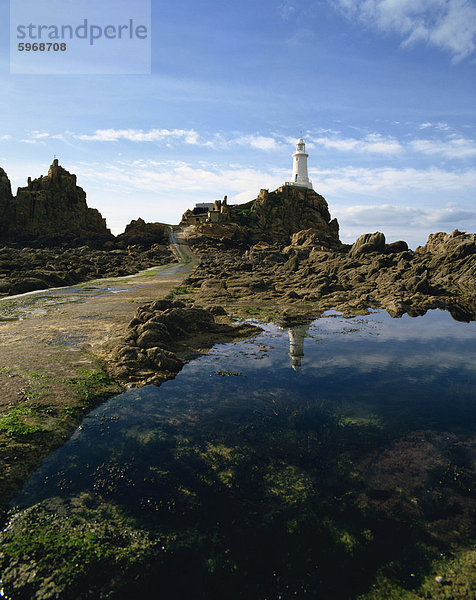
x: 140, y: 233
x: 51, y: 238
x: 49, y: 211
x: 450, y: 245
x: 304, y: 277
x: 282, y: 251
x: 6, y: 201
x: 369, y: 242
x: 275, y: 217
x: 5, y: 197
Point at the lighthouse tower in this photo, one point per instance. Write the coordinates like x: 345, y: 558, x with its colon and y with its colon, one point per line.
x: 300, y: 177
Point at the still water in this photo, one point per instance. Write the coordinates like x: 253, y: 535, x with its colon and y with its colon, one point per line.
x: 296, y: 464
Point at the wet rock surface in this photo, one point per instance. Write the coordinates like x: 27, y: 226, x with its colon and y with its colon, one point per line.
x: 306, y: 276
x: 163, y: 335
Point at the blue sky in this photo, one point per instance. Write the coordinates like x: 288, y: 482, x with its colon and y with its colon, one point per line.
x: 382, y: 90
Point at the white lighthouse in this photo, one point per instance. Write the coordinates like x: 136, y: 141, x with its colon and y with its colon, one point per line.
x: 300, y: 177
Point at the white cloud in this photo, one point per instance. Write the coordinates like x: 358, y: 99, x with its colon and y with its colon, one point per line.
x: 451, y: 148
x: 39, y: 135
x: 447, y: 24
x: 245, y: 182
x: 371, y: 143
x: 380, y: 215
x: 382, y: 180
x: 4, y: 138
x: 257, y: 141
x: 188, y: 136
x: 166, y: 176
x: 440, y: 126
x: 403, y: 203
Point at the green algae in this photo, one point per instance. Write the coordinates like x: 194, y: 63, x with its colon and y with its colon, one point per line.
x: 19, y: 422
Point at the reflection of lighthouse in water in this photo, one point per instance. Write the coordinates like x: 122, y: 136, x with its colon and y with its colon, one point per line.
x: 296, y: 344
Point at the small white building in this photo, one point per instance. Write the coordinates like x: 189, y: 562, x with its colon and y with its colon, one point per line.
x: 300, y: 177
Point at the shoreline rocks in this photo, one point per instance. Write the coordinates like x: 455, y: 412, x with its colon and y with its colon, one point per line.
x: 163, y: 336
x: 304, y: 276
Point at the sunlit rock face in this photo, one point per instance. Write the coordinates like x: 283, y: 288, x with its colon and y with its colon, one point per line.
x: 275, y: 217
x: 280, y: 214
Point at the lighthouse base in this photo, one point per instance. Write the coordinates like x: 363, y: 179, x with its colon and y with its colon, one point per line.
x: 297, y: 184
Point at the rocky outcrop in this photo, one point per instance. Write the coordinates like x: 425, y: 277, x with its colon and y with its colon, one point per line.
x: 375, y: 242
x: 5, y: 198
x: 51, y: 238
x: 274, y: 217
x: 144, y: 234
x: 453, y: 245
x: 52, y: 211
x: 305, y: 278
x: 369, y: 242
x: 163, y: 335
x: 49, y: 211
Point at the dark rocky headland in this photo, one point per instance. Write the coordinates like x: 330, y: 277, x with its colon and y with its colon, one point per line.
x: 50, y: 238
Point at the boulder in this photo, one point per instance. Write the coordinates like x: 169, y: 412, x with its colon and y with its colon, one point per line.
x: 164, y: 360
x: 291, y: 265
x: 396, y: 247
x: 439, y: 242
x: 150, y: 338
x: 213, y: 287
x: 158, y: 330
x: 217, y: 310
x: 139, y: 232
x: 369, y: 242
x: 315, y: 238
x: 187, y: 320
